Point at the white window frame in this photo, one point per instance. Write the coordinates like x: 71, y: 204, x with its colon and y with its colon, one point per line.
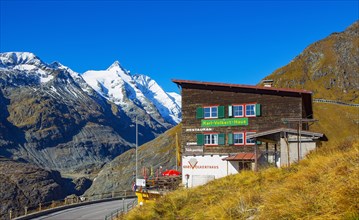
x: 210, y: 111
x: 234, y: 138
x: 249, y: 143
x: 234, y: 112
x: 254, y: 110
x: 211, y: 139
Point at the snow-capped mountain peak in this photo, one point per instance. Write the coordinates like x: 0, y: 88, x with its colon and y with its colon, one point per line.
x: 18, y: 58
x: 132, y: 93
x: 118, y: 86
x: 116, y: 67
x: 28, y: 64
x: 168, y: 105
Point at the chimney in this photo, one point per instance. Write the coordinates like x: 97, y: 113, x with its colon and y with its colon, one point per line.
x: 267, y: 82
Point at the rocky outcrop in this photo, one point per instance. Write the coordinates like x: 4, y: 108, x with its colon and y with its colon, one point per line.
x: 328, y: 67
x: 24, y: 184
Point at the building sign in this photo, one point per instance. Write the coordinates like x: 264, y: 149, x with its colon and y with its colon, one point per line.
x: 194, y: 149
x: 140, y: 182
x: 198, y: 129
x: 193, y: 164
x: 224, y: 122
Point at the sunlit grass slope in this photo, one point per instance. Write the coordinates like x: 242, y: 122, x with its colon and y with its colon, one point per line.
x: 325, y: 186
x: 337, y: 122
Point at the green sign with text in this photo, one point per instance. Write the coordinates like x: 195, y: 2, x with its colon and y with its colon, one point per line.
x: 224, y: 122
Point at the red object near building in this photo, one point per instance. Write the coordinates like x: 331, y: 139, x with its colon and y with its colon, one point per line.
x: 171, y: 173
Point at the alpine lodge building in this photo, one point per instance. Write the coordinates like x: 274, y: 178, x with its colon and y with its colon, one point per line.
x: 227, y: 128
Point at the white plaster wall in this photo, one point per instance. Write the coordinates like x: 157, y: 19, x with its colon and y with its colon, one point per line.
x: 209, y: 167
x: 304, y: 149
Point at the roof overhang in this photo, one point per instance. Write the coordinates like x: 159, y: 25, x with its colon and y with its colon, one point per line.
x: 242, y: 157
x: 276, y: 134
x: 209, y: 85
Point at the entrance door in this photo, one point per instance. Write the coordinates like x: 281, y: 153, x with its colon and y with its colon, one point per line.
x: 245, y: 165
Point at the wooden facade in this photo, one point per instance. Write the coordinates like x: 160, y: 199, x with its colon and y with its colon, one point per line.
x: 275, y: 106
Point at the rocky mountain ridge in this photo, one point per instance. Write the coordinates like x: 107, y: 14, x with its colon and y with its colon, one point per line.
x: 53, y: 118
x: 328, y: 67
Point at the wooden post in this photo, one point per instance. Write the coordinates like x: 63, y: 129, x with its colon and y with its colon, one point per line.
x: 113, y: 194
x: 267, y: 154
x: 25, y: 210
x: 275, y: 155
x: 255, y: 159
x: 40, y: 206
x: 10, y: 213
x: 298, y: 141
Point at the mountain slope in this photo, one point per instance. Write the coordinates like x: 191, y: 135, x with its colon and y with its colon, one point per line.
x: 328, y: 67
x: 26, y: 185
x: 167, y: 104
x: 134, y: 92
x: 52, y: 117
x: 118, y: 174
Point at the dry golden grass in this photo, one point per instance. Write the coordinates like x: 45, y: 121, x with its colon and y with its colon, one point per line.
x: 337, y: 122
x: 324, y: 186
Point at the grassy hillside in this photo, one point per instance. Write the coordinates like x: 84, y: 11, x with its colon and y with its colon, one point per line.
x: 337, y: 122
x: 324, y: 186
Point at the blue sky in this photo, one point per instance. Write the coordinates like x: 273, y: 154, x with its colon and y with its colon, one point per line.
x: 220, y: 41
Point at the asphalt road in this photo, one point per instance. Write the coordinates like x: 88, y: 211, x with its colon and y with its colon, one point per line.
x: 88, y: 212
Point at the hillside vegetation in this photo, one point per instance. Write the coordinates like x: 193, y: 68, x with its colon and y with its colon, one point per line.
x: 328, y: 67
x: 323, y: 187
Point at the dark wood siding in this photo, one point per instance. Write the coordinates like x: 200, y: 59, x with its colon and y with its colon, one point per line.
x: 274, y: 107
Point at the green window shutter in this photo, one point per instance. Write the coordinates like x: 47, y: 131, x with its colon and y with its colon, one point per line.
x: 221, y: 139
x: 230, y: 111
x: 199, y: 113
x: 220, y: 111
x: 230, y: 138
x: 258, y: 109
x: 200, y: 139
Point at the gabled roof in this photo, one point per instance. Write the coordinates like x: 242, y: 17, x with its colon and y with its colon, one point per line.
x: 238, y: 86
x: 314, y: 135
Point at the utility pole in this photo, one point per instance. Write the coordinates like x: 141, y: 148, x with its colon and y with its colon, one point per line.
x: 136, y: 148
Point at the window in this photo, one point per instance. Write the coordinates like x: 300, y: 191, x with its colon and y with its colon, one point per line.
x: 250, y: 110
x: 211, y: 139
x: 238, y: 111
x: 248, y: 140
x: 211, y: 112
x: 238, y: 138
